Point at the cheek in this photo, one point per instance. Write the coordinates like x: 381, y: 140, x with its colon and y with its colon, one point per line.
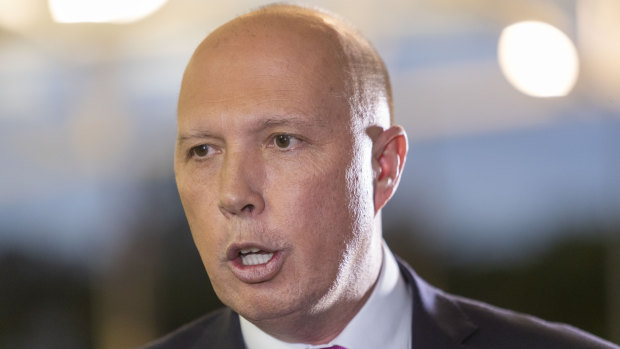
x: 197, y: 198
x: 190, y: 194
x: 197, y: 185
x: 311, y: 204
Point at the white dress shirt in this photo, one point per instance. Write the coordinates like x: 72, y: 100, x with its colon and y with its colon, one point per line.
x: 383, y: 322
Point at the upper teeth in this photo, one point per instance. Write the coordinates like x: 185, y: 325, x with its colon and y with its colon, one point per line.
x: 254, y: 259
x: 249, y: 250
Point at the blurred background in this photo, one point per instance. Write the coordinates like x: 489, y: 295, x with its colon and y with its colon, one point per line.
x: 511, y: 192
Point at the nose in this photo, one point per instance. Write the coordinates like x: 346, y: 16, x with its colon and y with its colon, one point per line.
x: 241, y: 185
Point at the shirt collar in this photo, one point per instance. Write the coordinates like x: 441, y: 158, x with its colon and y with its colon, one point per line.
x: 383, y: 322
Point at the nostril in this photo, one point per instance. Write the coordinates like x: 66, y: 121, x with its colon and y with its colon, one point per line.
x: 248, y: 208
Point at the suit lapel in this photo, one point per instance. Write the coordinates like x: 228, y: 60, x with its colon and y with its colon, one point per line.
x: 225, y: 334
x: 438, y: 321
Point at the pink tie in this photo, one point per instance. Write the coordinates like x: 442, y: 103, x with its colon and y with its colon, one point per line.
x: 335, y: 347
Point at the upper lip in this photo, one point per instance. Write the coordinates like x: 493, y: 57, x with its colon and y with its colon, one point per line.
x: 234, y: 249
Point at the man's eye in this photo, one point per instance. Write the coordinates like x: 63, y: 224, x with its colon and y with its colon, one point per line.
x: 285, y: 141
x: 282, y: 141
x: 199, y: 151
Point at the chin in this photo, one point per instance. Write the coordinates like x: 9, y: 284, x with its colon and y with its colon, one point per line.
x: 254, y: 305
x: 262, y: 312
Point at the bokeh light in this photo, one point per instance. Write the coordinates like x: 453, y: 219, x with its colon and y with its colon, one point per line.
x: 101, y: 11
x: 17, y: 15
x: 538, y: 59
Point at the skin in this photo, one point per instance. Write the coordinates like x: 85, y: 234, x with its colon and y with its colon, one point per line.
x: 285, y: 144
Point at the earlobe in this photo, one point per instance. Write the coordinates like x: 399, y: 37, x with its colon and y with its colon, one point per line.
x: 389, y: 153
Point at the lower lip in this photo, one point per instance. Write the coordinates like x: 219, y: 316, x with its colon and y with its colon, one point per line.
x: 253, y: 274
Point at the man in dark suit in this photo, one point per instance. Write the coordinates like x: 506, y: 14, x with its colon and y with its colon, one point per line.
x: 286, y: 154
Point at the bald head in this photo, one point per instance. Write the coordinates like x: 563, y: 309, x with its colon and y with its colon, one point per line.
x: 330, y: 52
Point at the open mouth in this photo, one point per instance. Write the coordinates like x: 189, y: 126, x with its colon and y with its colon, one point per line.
x: 253, y: 264
x: 254, y: 256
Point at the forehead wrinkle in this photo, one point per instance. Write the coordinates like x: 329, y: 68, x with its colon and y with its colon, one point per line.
x: 292, y: 121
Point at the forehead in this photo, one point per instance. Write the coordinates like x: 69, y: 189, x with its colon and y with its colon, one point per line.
x: 275, y: 67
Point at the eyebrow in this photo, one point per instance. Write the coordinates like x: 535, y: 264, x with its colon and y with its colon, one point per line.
x: 272, y: 122
x: 194, y: 135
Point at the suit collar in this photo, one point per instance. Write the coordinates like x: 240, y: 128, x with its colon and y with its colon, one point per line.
x: 438, y: 321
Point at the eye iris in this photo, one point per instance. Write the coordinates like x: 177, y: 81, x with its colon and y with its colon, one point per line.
x: 283, y: 141
x: 201, y: 150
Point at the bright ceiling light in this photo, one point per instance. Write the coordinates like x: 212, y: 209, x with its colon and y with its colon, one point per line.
x: 101, y: 11
x: 538, y: 59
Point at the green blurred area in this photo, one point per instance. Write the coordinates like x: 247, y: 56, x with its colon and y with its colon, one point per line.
x: 46, y: 303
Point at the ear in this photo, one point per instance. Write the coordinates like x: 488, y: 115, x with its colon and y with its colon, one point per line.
x: 388, y: 159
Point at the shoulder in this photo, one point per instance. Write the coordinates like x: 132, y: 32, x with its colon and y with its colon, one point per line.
x: 442, y: 320
x: 219, y: 329
x: 497, y: 327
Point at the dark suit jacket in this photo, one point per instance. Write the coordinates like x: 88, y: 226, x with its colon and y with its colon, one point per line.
x: 440, y: 320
